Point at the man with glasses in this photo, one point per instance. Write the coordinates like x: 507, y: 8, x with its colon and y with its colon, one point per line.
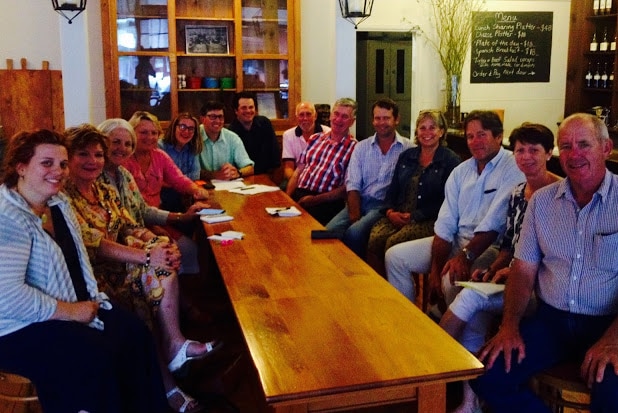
x: 256, y: 133
x: 224, y: 156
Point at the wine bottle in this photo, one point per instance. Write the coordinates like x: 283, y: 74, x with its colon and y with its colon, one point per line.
x: 610, y: 79
x: 612, y: 44
x: 588, y: 76
x: 604, y: 76
x: 596, y: 6
x: 608, y: 7
x: 596, y: 79
x: 594, y: 45
x: 604, y: 42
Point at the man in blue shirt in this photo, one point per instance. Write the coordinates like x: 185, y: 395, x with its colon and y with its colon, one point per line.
x: 470, y: 221
x: 224, y: 156
x: 369, y: 174
x: 566, y: 254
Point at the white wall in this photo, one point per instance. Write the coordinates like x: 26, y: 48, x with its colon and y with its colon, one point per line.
x: 533, y: 102
x: 33, y: 30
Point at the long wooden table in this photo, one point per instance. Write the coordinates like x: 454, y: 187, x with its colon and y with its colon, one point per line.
x: 323, y: 330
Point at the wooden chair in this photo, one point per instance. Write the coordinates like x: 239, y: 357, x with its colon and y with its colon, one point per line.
x: 562, y: 387
x: 422, y: 292
x: 17, y: 394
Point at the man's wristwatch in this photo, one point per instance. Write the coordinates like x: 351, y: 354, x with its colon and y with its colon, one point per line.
x: 470, y: 256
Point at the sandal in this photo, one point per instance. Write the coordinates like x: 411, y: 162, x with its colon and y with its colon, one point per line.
x: 181, y: 361
x: 187, y: 400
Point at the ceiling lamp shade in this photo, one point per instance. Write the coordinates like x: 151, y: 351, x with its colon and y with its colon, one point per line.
x: 69, y: 6
x: 355, y: 11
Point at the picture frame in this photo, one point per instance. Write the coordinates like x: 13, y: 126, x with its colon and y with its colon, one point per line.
x: 202, y: 39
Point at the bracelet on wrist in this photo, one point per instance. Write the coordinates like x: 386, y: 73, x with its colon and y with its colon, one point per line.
x: 147, y: 261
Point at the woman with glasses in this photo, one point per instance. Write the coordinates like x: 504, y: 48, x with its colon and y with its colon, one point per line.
x: 183, y: 144
x: 417, y: 190
x: 152, y: 168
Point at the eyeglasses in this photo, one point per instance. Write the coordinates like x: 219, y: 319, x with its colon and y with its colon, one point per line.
x: 215, y: 117
x: 185, y: 128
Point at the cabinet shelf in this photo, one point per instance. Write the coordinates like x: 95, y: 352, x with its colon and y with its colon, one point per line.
x: 145, y: 50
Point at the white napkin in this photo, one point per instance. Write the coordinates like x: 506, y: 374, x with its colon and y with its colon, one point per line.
x: 290, y: 211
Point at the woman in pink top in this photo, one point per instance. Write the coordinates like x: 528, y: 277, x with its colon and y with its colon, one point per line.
x: 151, y: 167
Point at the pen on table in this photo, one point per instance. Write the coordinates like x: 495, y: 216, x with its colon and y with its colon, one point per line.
x: 489, y: 191
x: 246, y: 188
x: 282, y: 209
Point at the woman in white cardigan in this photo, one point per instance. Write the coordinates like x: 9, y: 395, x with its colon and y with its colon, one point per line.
x: 81, y: 353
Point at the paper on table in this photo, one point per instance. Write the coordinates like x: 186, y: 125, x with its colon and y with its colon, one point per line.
x: 483, y: 288
x: 227, y: 235
x: 221, y: 185
x: 211, y: 219
x: 290, y: 211
x: 254, y: 189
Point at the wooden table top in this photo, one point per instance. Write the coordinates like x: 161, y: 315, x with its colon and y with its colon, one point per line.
x: 318, y: 320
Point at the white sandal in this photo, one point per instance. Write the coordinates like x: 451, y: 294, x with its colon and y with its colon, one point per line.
x: 187, y: 400
x: 181, y: 359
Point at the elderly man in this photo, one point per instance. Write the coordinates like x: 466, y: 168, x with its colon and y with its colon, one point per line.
x: 566, y: 254
x: 470, y: 221
x: 224, y: 156
x: 318, y: 183
x: 369, y: 175
x: 295, y: 139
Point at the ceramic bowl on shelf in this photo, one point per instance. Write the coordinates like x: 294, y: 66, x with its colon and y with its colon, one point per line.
x: 194, y: 82
x: 210, y: 83
x: 227, y: 83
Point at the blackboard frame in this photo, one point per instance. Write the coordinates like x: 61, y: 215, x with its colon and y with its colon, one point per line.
x: 511, y: 47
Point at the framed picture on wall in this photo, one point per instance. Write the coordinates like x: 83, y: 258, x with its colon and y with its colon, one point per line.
x: 207, y: 39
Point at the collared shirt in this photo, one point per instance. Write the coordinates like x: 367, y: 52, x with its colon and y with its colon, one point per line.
x: 34, y: 274
x: 325, y: 162
x: 185, y: 160
x: 575, y: 248
x: 131, y: 198
x: 161, y: 171
x: 228, y: 148
x: 294, y: 143
x: 478, y: 203
x: 260, y: 142
x: 370, y: 171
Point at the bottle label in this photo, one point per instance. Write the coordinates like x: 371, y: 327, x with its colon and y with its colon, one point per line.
x: 596, y: 6
x: 603, y: 46
x: 593, y: 46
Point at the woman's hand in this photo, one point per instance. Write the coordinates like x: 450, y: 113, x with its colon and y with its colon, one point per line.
x: 200, y: 193
x: 398, y: 219
x: 191, y: 213
x: 81, y: 311
x: 165, y: 256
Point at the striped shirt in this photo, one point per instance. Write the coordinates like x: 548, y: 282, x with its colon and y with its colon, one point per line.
x: 325, y: 162
x: 370, y: 171
x: 34, y: 273
x: 576, y: 249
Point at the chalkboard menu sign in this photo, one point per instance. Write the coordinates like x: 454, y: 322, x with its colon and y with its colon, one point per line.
x: 511, y: 47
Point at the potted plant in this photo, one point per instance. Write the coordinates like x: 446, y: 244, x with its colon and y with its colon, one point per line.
x: 453, y: 23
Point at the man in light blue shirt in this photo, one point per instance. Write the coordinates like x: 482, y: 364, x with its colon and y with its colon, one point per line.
x: 369, y: 174
x: 471, y: 220
x: 224, y: 156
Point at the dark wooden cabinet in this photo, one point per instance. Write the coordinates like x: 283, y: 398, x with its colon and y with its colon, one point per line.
x: 581, y: 95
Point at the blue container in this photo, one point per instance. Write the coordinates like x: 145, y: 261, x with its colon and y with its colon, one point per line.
x: 211, y: 83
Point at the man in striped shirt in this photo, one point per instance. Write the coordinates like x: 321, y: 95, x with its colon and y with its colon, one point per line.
x: 318, y: 182
x: 567, y: 254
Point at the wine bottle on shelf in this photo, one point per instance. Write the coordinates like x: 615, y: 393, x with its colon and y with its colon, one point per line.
x: 588, y: 76
x: 608, y: 7
x: 596, y: 79
x: 612, y: 44
x: 594, y: 45
x: 604, y: 76
x: 604, y: 42
x: 610, y: 79
x: 596, y: 6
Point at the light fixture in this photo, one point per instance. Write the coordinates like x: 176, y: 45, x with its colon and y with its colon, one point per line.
x: 69, y: 6
x: 355, y: 11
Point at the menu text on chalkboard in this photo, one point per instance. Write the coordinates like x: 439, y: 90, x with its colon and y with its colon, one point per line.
x: 511, y: 47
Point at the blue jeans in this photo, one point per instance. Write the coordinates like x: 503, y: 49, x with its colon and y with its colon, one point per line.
x: 550, y: 336
x: 356, y: 235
